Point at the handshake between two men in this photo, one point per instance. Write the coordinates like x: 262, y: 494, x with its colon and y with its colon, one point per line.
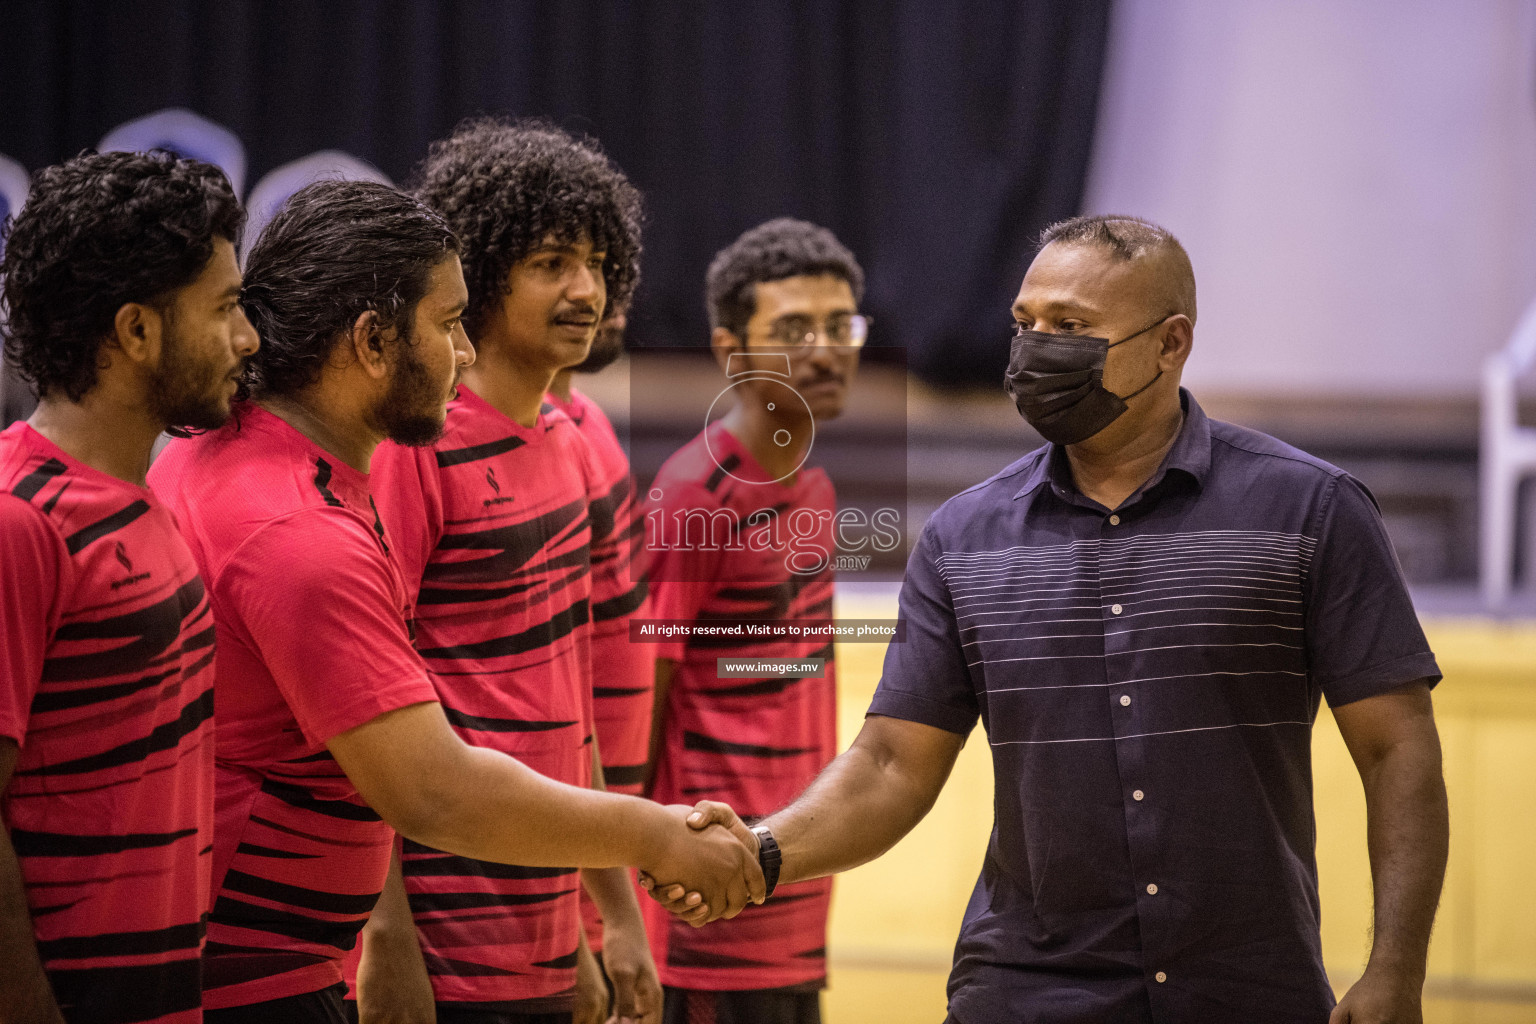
x: 856, y: 809
x: 715, y: 880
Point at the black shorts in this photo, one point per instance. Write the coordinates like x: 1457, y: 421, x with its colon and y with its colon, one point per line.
x: 323, y: 1007
x: 754, y: 1006
x: 468, y: 1015
x: 457, y: 1015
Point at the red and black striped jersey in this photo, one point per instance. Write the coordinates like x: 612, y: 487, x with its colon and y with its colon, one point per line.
x: 752, y: 742
x: 496, y: 527
x: 625, y: 680
x: 106, y: 682
x: 311, y: 616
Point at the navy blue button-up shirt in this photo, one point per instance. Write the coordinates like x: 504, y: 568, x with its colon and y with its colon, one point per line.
x: 1148, y: 679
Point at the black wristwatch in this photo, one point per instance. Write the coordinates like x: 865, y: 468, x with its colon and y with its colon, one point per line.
x: 768, y: 857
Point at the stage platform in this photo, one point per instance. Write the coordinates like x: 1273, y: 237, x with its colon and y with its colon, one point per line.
x: 895, y: 920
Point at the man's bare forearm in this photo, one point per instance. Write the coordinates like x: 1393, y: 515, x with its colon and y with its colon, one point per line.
x: 499, y: 810
x: 25, y: 995
x: 391, y: 916
x: 1395, y: 746
x: 660, y: 695
x: 432, y: 787
x: 392, y: 979
x: 610, y: 889
x: 435, y: 789
x: 866, y: 800
x: 1408, y: 836
x: 614, y: 896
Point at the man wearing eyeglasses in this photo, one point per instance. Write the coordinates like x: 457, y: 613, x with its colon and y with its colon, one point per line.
x: 740, y: 531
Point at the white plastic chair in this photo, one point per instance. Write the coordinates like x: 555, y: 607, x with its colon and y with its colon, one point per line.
x: 281, y: 182
x: 186, y: 134
x: 1506, y: 457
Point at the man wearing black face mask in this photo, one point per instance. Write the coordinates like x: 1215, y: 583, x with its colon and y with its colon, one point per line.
x: 1145, y: 614
x: 1057, y: 381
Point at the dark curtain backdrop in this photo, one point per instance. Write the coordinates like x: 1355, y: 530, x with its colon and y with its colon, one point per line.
x: 936, y: 137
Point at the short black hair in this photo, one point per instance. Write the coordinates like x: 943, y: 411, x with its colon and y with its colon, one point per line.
x: 99, y: 231
x: 1127, y: 237
x: 334, y: 251
x: 505, y: 186
x: 781, y: 248
x: 1134, y: 238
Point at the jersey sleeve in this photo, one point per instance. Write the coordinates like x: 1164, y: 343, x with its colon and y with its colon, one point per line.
x: 33, y: 562
x: 679, y: 580
x: 1363, y: 636
x: 408, y: 491
x: 317, y: 597
x: 926, y: 677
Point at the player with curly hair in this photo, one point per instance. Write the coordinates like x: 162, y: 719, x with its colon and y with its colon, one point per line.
x: 512, y: 188
x: 332, y: 737
x: 123, y: 305
x: 514, y: 540
x: 783, y: 302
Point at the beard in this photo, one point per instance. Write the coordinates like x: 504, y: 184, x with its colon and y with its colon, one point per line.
x: 184, y: 393
x: 607, y: 346
x: 412, y: 410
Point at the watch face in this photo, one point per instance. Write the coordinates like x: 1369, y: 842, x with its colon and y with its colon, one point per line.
x: 769, y: 858
x: 767, y: 846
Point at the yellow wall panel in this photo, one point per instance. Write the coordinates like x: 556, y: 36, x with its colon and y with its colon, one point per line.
x: 1504, y: 850
x: 894, y: 921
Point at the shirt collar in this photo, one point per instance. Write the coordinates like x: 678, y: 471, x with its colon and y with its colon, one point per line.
x: 1190, y: 455
x: 1043, y: 471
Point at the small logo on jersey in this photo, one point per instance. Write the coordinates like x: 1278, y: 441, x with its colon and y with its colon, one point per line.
x: 121, y: 554
x: 490, y: 478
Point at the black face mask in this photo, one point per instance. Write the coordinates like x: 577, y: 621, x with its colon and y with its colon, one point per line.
x: 1057, y: 381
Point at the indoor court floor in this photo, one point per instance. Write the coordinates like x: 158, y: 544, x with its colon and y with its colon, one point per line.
x: 894, y: 921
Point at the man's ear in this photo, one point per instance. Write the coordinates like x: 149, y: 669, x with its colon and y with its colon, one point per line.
x: 138, y: 332
x: 1178, y: 340
x: 724, y: 344
x: 366, y: 341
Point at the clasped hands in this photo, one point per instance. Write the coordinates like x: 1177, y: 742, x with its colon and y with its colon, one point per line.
x: 709, y: 869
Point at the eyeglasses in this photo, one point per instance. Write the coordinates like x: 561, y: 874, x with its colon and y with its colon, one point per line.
x: 844, y: 330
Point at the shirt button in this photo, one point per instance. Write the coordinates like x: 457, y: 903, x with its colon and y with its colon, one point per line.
x: 1115, y: 609
x: 1114, y: 520
x: 1152, y: 889
x: 1161, y: 977
x: 1138, y: 795
x: 1125, y: 700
